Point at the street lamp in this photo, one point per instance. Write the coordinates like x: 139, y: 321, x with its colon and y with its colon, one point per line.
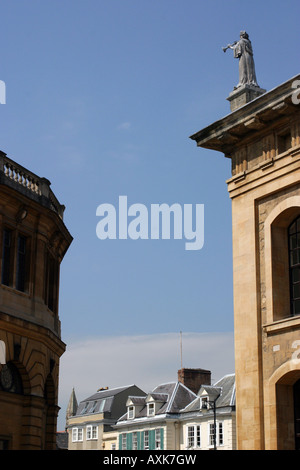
x: 205, y: 405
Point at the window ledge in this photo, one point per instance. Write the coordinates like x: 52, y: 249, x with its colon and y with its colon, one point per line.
x: 16, y: 291
x: 285, y: 323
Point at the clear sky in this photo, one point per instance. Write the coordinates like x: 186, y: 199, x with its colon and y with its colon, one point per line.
x: 102, y: 96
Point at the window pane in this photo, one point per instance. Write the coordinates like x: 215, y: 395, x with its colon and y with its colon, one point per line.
x: 198, y: 436
x: 296, y: 305
x: 296, y: 275
x: 294, y: 257
x: 21, y: 264
x: 6, y: 257
x: 292, y: 228
x: 296, y: 291
x: 293, y: 241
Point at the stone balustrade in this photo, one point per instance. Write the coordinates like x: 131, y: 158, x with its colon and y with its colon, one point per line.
x: 23, y: 180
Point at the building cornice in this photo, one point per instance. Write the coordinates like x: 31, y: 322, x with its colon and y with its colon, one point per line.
x: 224, y: 134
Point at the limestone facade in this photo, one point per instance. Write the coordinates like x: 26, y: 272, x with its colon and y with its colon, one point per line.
x: 33, y: 240
x: 262, y: 139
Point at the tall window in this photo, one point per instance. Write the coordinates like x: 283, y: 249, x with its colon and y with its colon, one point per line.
x: 15, y: 260
x: 193, y: 437
x: 134, y: 441
x: 221, y: 436
x: 21, y: 264
x: 294, y: 264
x: 157, y: 439
x: 6, y: 277
x: 124, y: 441
x: 212, y: 435
x: 146, y: 440
x: 51, y: 280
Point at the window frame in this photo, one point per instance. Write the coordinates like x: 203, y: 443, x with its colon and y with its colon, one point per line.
x: 124, y: 441
x: 91, y: 432
x: 15, y: 263
x: 294, y: 267
x: 7, y: 257
x: 77, y: 434
x: 134, y: 441
x: 146, y: 439
x: 219, y: 432
x: 130, y: 412
x: 193, y: 436
x: 151, y: 409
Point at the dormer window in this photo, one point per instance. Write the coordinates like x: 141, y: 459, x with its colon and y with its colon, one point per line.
x: 151, y: 409
x: 130, y: 412
x: 204, y: 403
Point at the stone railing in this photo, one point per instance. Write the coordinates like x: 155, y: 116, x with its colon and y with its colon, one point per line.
x: 30, y: 184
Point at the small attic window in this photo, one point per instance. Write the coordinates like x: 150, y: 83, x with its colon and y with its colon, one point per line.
x: 151, y: 409
x: 94, y: 407
x: 84, y: 409
x: 130, y: 412
x: 204, y: 404
x: 101, y: 406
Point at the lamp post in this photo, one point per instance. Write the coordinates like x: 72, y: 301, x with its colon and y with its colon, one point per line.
x: 204, y: 406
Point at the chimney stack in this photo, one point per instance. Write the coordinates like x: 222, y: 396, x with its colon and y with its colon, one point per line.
x: 194, y: 378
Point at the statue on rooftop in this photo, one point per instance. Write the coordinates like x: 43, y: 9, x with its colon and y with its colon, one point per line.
x: 243, y: 51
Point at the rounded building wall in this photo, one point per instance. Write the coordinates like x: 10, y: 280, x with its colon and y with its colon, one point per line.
x: 33, y: 242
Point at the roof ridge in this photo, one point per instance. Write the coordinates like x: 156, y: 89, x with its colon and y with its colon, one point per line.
x: 172, y: 396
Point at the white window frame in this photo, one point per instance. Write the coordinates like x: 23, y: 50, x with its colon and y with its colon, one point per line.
x: 151, y: 409
x: 193, y: 436
x: 146, y: 440
x: 124, y: 441
x: 131, y: 412
x: 219, y: 432
x: 134, y: 441
x: 91, y: 432
x: 203, y: 400
x: 157, y: 439
x: 77, y: 434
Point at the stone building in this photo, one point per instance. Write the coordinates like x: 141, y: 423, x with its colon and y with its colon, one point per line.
x: 33, y: 241
x: 173, y: 417
x: 152, y: 420
x: 261, y: 136
x: 90, y: 424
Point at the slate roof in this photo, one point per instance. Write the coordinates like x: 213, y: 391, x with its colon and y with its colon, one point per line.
x: 62, y: 440
x: 101, y: 401
x: 171, y: 396
x: 226, y: 386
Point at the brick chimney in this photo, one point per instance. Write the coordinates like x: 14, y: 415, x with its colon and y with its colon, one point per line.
x: 194, y: 378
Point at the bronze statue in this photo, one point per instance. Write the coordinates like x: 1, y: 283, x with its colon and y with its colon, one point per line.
x: 243, y: 51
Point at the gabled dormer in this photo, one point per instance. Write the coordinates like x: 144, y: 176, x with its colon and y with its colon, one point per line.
x: 154, y: 402
x: 134, y: 406
x: 208, y: 396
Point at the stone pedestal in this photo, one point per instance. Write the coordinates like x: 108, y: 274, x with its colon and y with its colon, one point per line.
x: 243, y: 95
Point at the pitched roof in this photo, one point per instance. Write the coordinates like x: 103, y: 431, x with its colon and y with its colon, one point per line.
x: 226, y: 386
x: 171, y: 397
x: 62, y: 440
x: 101, y: 401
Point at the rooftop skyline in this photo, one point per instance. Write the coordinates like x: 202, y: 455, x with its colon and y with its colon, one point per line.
x: 101, y: 99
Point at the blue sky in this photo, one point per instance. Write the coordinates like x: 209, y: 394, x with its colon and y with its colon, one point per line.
x: 102, y: 96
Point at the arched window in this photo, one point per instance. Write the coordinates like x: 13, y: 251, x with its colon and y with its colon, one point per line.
x: 294, y: 265
x: 10, y: 379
